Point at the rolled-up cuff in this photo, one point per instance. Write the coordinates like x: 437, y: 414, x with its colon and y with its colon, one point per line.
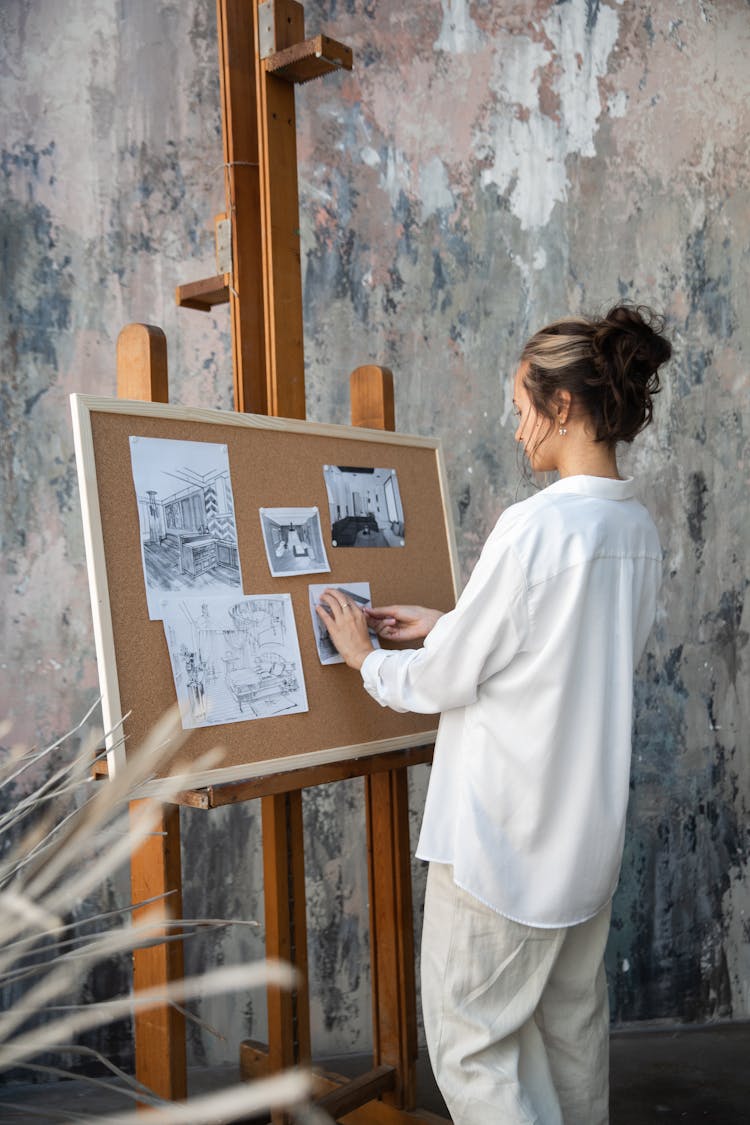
x: 370, y: 672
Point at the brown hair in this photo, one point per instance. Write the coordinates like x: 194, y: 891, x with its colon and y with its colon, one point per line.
x: 608, y: 364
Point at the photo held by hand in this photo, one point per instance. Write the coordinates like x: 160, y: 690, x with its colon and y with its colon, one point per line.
x: 347, y: 626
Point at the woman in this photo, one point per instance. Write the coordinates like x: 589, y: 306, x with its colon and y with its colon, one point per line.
x: 532, y: 672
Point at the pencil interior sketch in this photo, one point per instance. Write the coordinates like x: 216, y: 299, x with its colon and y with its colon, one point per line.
x: 186, y: 513
x: 234, y: 660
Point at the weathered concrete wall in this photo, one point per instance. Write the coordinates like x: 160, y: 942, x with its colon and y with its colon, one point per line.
x: 487, y: 166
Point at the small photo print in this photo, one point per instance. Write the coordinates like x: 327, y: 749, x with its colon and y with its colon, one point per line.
x: 186, y: 514
x: 294, y: 541
x: 357, y: 592
x: 365, y: 506
x: 234, y: 659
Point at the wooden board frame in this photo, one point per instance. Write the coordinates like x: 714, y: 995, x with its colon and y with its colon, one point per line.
x: 90, y: 412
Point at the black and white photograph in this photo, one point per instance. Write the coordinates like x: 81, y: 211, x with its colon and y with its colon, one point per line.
x: 357, y: 592
x: 233, y: 659
x: 365, y: 504
x: 294, y: 541
x: 186, y: 515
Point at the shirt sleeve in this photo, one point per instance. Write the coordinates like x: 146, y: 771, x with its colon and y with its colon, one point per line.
x: 468, y: 645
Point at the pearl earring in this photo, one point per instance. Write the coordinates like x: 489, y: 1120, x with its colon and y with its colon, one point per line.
x: 562, y: 431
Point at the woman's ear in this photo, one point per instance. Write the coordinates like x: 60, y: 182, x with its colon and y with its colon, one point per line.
x: 563, y: 400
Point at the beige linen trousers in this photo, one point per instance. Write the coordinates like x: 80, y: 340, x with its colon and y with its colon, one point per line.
x: 516, y: 1017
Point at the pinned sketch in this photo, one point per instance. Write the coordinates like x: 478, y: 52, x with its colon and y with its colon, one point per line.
x: 294, y: 541
x: 358, y: 592
x: 365, y: 504
x: 234, y: 659
x: 186, y: 513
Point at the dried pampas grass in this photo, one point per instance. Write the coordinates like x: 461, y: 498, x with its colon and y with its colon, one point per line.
x: 60, y: 841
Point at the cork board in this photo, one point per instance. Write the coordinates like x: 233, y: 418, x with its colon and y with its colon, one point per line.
x: 273, y: 463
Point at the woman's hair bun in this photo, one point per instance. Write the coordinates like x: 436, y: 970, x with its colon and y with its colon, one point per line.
x: 630, y: 339
x: 628, y: 348
x: 609, y: 364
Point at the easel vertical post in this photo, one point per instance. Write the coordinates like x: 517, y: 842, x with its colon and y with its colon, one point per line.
x: 237, y: 64
x: 279, y: 228
x: 155, y: 867
x: 269, y: 378
x: 394, y: 997
x: 260, y: 157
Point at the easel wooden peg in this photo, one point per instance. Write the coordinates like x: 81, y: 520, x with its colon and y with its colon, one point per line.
x: 371, y: 394
x: 142, y: 363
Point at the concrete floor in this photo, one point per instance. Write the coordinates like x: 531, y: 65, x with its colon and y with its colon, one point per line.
x: 692, y: 1076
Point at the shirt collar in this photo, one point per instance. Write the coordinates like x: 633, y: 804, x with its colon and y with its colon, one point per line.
x: 603, y: 487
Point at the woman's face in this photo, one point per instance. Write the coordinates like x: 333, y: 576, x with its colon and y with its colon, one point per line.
x: 534, y: 432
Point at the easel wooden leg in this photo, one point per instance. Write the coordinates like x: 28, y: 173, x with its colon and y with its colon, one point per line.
x: 392, y: 932
x: 286, y: 930
x: 394, y: 995
x: 155, y: 868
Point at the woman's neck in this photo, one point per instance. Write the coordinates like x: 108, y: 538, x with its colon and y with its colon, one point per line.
x: 591, y: 459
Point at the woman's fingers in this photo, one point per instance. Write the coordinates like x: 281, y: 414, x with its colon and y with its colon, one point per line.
x: 338, y: 601
x: 379, y: 623
x: 333, y: 600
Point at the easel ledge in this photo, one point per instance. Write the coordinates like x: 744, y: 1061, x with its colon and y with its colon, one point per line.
x: 285, y: 781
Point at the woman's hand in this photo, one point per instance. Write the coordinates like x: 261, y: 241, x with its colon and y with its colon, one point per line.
x: 347, y: 626
x: 402, y: 622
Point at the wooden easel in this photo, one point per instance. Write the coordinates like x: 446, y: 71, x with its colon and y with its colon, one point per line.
x: 263, y: 53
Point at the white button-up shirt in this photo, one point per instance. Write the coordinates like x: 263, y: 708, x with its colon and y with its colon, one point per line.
x: 533, y: 674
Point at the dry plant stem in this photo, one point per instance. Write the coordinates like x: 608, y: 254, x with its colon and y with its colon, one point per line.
x: 36, y: 756
x: 163, y: 742
x: 186, y: 927
x: 46, y: 792
x: 79, y: 883
x: 74, y: 888
x: 60, y: 979
x: 198, y: 1022
x: 31, y: 940
x: 141, y: 1091
x: 94, y: 1015
x: 45, y: 840
x: 68, y: 776
x: 25, y: 913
